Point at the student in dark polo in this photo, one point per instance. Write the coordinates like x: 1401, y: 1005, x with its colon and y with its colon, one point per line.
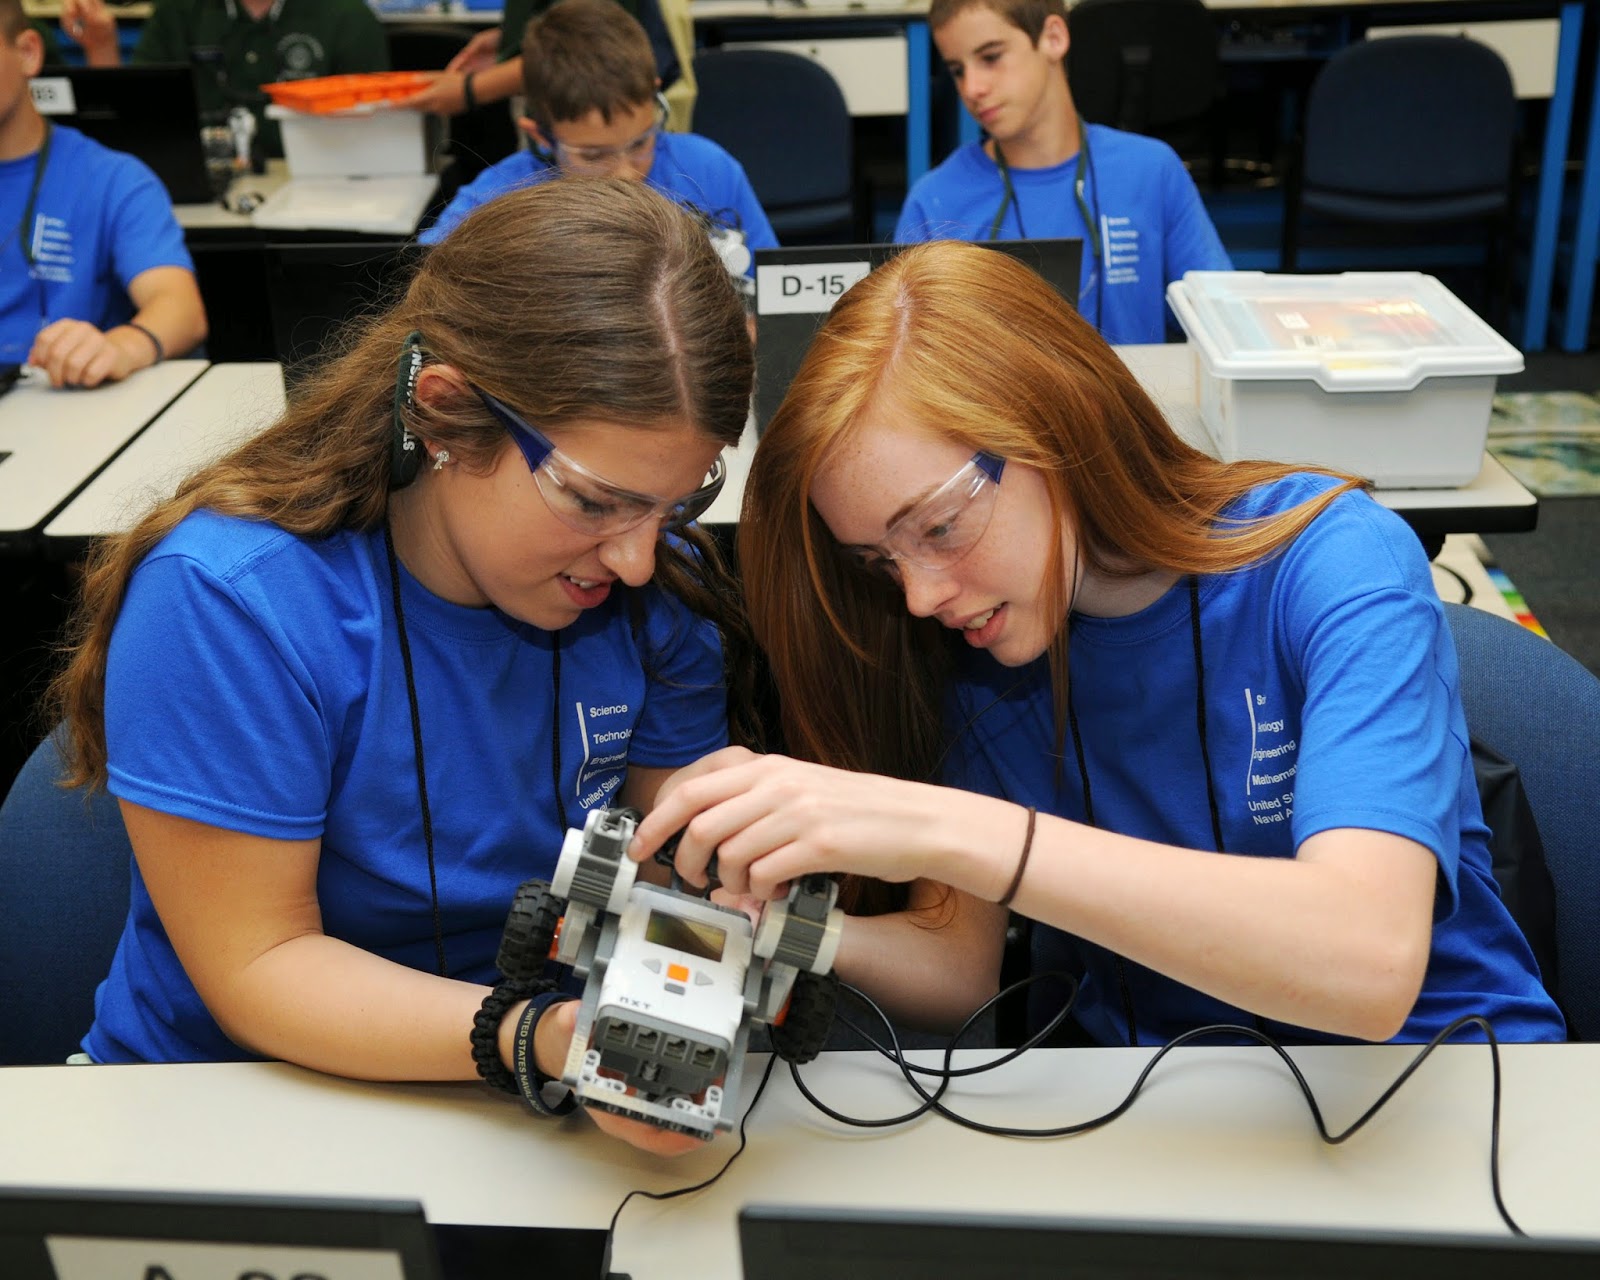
x: 239, y: 45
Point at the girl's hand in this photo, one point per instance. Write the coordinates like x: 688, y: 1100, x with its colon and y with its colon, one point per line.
x: 562, y: 1023
x: 769, y: 818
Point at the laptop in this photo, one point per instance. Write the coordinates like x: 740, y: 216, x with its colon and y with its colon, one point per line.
x: 796, y: 288
x: 69, y: 1234
x: 795, y: 1242
x: 147, y: 111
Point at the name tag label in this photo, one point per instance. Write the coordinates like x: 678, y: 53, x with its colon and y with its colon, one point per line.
x: 103, y: 1258
x: 805, y: 289
x: 52, y: 95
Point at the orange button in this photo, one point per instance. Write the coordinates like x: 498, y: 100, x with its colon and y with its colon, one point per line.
x: 678, y: 973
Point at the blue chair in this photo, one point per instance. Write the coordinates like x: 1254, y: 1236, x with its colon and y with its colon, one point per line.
x: 784, y: 118
x: 1409, y: 133
x: 1540, y: 708
x: 1143, y: 65
x: 66, y: 868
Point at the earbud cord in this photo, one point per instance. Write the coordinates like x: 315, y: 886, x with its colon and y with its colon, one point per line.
x: 1205, y: 761
x: 416, y: 742
x: 416, y: 739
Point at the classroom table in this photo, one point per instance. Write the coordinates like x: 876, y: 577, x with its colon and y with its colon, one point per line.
x: 1495, y: 501
x: 226, y: 405
x: 1219, y: 1135
x: 54, y: 441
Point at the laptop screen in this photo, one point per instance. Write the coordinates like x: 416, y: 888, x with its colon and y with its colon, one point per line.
x: 796, y: 288
x: 791, y: 1242
x: 68, y: 1234
x: 146, y: 111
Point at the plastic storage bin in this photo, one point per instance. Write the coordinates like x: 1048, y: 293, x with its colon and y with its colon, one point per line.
x: 1384, y: 374
x: 369, y: 141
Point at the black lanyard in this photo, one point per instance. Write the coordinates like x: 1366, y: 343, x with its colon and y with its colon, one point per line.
x: 41, y: 161
x: 1084, y: 174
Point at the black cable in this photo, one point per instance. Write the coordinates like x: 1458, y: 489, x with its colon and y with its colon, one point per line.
x: 611, y: 1228
x: 1466, y: 587
x: 932, y: 1101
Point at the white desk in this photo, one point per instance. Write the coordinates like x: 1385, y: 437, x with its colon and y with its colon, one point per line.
x: 225, y: 406
x: 1218, y: 1135
x: 1495, y: 501
x: 58, y: 439
x: 389, y: 206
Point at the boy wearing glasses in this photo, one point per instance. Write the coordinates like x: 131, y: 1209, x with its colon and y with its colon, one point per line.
x: 589, y: 74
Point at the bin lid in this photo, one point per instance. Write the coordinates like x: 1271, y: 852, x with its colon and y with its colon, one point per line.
x: 1355, y: 331
x: 327, y: 95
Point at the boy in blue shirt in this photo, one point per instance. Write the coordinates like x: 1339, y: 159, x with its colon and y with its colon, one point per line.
x: 95, y: 281
x: 589, y: 74
x: 1042, y: 172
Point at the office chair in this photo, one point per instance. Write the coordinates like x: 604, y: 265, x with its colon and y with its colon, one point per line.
x: 1409, y: 131
x: 1540, y: 708
x: 66, y: 867
x: 784, y: 118
x: 1147, y: 66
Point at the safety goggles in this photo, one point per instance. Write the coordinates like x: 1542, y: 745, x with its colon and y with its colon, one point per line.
x: 942, y: 527
x: 588, y: 503
x: 607, y: 160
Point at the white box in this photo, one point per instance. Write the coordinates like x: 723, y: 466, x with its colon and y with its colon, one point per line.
x: 1384, y: 374
x: 365, y: 142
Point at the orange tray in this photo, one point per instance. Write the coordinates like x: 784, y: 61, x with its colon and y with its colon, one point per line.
x: 340, y: 93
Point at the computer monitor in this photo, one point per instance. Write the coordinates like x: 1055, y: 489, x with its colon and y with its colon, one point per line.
x: 147, y: 111
x: 64, y: 1234
x: 794, y: 1242
x: 796, y: 288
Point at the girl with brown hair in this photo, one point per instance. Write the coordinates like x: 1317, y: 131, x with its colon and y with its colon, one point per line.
x: 355, y: 680
x: 1198, y: 720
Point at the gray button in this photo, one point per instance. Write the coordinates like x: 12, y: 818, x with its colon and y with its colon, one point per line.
x: 674, y: 988
x: 653, y: 965
x: 702, y: 979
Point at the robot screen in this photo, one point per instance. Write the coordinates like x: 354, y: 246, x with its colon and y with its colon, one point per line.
x: 692, y: 937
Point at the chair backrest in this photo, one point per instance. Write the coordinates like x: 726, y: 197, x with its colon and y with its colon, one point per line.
x: 1540, y: 708
x: 1413, y: 118
x: 65, y: 871
x: 784, y: 118
x: 1142, y: 64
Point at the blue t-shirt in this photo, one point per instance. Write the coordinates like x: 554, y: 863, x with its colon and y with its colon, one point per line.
x: 101, y: 219
x: 1332, y: 700
x: 1152, y: 224
x: 255, y: 683
x: 692, y: 170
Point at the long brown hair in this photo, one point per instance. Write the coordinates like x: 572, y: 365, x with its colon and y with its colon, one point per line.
x: 971, y: 345
x: 570, y: 300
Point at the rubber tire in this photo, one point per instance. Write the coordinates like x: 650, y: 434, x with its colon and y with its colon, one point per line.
x: 803, y: 1033
x: 530, y: 932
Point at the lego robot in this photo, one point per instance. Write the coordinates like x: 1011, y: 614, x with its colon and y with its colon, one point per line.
x: 673, y: 982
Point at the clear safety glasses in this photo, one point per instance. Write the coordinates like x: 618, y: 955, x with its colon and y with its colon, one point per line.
x: 588, y: 503
x: 942, y: 527
x: 600, y: 161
